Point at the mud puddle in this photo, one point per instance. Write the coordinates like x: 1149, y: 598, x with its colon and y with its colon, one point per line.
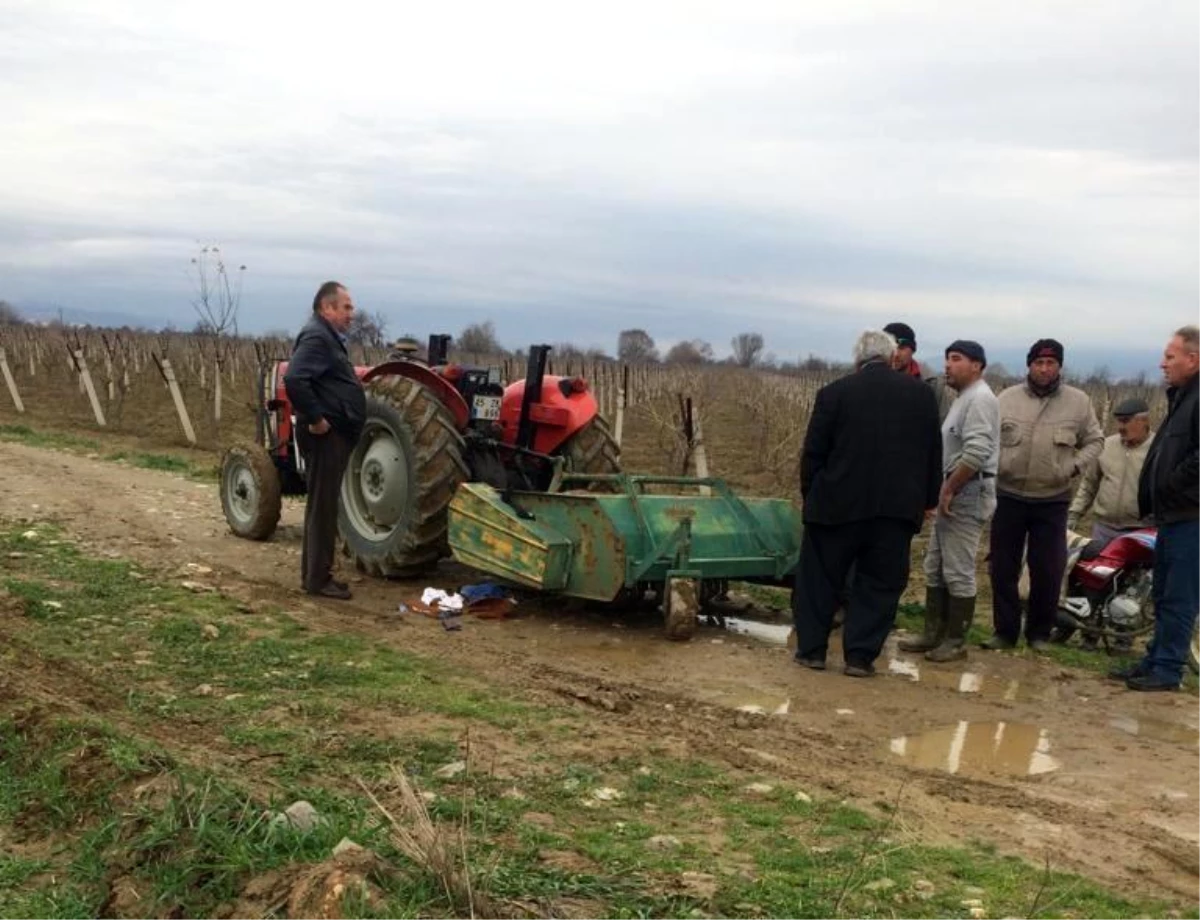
x: 772, y: 633
x: 967, y: 748
x: 1158, y: 729
x: 971, y: 681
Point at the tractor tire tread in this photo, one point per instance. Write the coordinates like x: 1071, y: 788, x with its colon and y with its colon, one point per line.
x: 593, y: 449
x: 440, y: 469
x: 270, y: 490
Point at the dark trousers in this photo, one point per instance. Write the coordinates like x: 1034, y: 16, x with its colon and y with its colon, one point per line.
x: 1044, y: 525
x: 1176, y: 599
x: 878, y: 549
x: 325, y: 459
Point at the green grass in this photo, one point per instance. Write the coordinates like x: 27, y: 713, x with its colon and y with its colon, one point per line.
x: 167, y: 464
x: 23, y: 434
x: 295, y: 713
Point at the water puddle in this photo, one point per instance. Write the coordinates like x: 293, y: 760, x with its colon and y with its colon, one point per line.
x: 972, y: 682
x: 774, y: 633
x: 1011, y: 748
x: 1158, y: 729
x: 768, y: 709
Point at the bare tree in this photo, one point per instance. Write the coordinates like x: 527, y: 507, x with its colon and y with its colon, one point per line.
x: 747, y: 346
x: 218, y: 296
x: 479, y: 339
x: 636, y: 345
x: 367, y: 328
x: 9, y: 315
x: 693, y: 351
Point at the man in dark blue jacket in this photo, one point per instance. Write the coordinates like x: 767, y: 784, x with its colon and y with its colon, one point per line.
x: 330, y: 409
x: 1169, y: 488
x: 871, y: 468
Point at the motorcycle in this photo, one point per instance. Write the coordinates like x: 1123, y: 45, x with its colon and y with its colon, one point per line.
x: 1108, y: 591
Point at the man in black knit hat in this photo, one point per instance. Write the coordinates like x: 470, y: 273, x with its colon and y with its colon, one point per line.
x: 970, y: 453
x: 1048, y: 435
x: 905, y: 363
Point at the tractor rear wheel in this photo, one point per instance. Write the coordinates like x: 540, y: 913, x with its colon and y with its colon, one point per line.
x: 398, y: 484
x: 592, y: 449
x: 250, y: 491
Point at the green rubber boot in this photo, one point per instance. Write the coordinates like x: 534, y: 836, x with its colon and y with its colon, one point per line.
x: 935, y: 622
x: 960, y: 611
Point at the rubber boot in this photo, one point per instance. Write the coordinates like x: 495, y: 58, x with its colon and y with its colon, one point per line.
x: 960, y: 611
x: 935, y: 622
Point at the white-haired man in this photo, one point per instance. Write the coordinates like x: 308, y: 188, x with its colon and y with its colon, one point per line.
x: 870, y: 470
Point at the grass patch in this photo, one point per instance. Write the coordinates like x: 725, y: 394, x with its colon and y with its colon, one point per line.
x: 71, y: 443
x: 97, y: 811
x: 23, y: 434
x: 168, y: 464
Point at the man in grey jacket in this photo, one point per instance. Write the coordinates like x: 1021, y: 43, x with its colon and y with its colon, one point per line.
x: 970, y: 458
x: 1048, y: 435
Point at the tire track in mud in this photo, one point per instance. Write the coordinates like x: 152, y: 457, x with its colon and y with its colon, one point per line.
x: 163, y: 522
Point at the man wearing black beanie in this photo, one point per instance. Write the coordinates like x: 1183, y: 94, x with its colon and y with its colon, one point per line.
x: 1048, y: 434
x: 970, y: 453
x: 905, y: 363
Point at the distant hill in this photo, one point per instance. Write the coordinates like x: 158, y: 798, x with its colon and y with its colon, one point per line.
x: 40, y: 312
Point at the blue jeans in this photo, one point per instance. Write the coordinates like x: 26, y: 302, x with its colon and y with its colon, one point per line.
x: 1176, y: 599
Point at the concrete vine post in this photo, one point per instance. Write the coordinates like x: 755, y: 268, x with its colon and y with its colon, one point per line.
x: 10, y: 382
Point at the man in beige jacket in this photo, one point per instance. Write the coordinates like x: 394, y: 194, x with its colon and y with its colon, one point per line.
x: 1048, y: 435
x: 1109, y: 487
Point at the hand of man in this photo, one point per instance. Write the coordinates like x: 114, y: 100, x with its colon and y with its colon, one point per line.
x: 319, y: 427
x: 945, y: 497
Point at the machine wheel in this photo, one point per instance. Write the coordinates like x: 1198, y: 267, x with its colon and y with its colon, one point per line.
x: 592, y: 449
x: 681, y: 605
x: 398, y: 484
x: 250, y: 491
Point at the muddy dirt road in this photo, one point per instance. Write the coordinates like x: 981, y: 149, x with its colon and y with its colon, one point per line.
x: 1007, y: 749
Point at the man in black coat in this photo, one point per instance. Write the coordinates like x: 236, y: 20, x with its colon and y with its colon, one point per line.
x: 1169, y: 489
x: 330, y: 409
x: 870, y: 470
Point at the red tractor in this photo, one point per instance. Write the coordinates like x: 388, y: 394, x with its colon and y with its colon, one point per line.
x: 430, y: 426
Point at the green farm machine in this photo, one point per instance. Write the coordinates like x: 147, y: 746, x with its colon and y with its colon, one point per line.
x: 521, y: 481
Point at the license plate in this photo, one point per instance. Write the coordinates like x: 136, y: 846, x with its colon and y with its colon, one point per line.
x: 487, y: 408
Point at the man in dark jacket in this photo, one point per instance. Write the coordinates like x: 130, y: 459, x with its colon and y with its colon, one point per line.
x: 871, y: 468
x: 1168, y: 489
x: 330, y: 408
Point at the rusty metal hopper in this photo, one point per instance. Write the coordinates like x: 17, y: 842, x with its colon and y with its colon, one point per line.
x: 592, y: 544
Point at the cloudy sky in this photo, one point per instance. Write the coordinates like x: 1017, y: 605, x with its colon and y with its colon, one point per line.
x: 801, y: 168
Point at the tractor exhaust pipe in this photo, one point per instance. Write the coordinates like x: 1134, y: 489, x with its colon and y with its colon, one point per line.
x: 535, y: 372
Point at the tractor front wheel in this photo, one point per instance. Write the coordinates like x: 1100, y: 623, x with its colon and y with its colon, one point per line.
x: 398, y: 484
x: 250, y: 491
x: 592, y: 449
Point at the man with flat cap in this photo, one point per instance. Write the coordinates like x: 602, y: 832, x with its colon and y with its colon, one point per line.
x: 970, y: 458
x: 905, y: 363
x: 1109, y: 487
x: 1048, y: 435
